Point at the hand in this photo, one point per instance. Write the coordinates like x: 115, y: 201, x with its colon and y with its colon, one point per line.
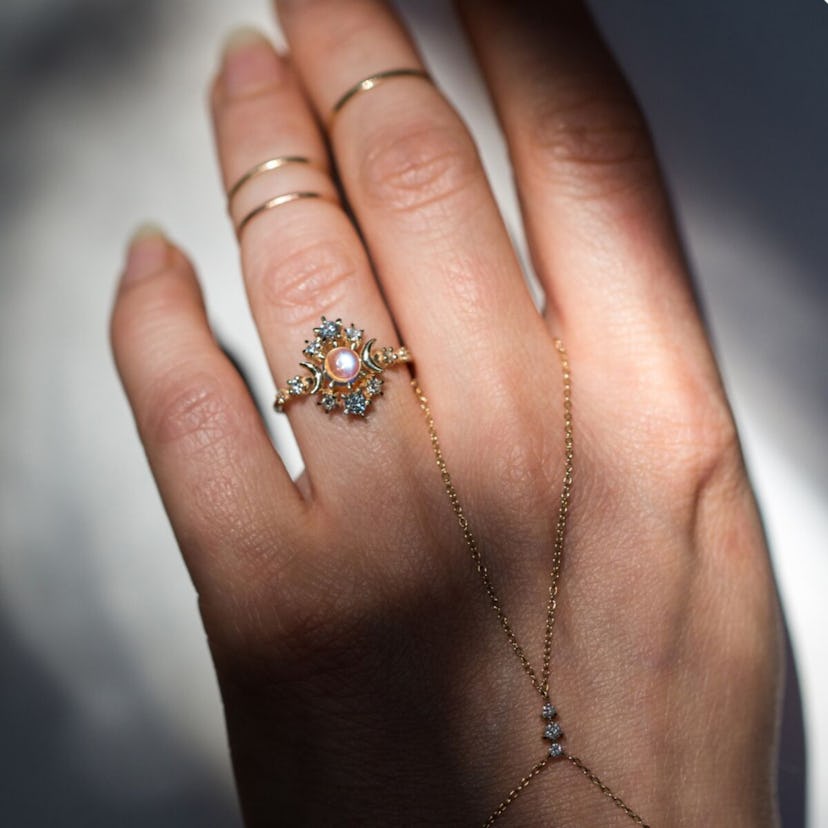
x: 365, y: 678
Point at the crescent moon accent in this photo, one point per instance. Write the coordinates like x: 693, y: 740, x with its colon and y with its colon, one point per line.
x: 317, y: 375
x: 368, y: 359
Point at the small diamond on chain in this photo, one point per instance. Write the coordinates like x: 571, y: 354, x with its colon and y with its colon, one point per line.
x: 296, y: 385
x: 553, y: 731
x: 548, y: 712
x: 328, y: 402
x: 374, y: 386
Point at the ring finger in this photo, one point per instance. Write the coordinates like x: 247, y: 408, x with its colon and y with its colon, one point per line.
x: 302, y: 259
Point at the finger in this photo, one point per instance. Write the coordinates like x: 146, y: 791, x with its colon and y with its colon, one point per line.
x: 216, y: 469
x: 419, y: 192
x: 303, y: 259
x: 595, y: 210
x: 604, y: 243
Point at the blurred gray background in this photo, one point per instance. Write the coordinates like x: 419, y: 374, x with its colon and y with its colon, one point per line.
x: 109, y: 712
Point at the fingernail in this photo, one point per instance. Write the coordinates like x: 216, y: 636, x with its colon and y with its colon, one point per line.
x: 147, y: 253
x: 245, y: 65
x: 242, y: 37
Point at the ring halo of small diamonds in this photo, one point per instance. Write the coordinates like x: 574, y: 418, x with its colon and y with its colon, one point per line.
x: 344, y: 370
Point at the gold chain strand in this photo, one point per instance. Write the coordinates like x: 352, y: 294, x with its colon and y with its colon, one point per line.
x: 563, y: 513
x: 515, y: 792
x: 471, y: 541
x: 542, y: 684
x: 606, y: 791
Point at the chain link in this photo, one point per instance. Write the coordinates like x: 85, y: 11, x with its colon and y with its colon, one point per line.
x: 513, y: 794
x: 541, y: 684
x: 471, y: 542
x: 593, y: 777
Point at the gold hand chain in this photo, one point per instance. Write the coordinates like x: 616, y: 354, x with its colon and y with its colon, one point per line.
x: 552, y: 730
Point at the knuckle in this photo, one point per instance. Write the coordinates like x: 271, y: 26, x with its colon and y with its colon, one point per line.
x: 717, y: 457
x: 592, y: 142
x: 422, y: 164
x: 701, y: 441
x: 313, y: 276
x: 196, y: 415
x: 144, y: 307
x: 697, y: 438
x: 247, y: 108
x: 196, y: 427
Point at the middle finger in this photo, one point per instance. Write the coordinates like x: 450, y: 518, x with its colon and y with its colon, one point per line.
x: 433, y: 229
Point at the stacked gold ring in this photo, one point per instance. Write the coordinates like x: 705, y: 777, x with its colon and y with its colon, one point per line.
x: 344, y: 369
x: 280, y: 161
x: 285, y: 198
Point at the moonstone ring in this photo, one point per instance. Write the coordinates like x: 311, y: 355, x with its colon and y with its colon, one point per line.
x: 344, y: 370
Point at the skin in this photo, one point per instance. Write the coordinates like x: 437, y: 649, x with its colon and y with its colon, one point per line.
x: 364, y: 676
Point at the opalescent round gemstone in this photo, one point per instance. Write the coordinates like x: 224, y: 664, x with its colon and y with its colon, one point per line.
x: 342, y: 364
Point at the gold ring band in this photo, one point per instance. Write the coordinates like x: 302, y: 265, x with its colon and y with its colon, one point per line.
x: 274, y: 202
x: 264, y: 166
x: 344, y: 369
x: 375, y: 80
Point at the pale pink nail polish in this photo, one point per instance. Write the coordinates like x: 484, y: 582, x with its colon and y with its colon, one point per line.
x: 147, y: 253
x: 248, y: 62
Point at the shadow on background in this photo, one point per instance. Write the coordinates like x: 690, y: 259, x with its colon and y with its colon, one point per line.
x: 792, y: 767
x: 48, y: 42
x: 109, y: 761
x: 735, y: 93
x: 48, y: 780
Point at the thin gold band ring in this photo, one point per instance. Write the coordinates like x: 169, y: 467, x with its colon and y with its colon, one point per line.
x: 275, y: 202
x: 264, y: 166
x: 375, y: 80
